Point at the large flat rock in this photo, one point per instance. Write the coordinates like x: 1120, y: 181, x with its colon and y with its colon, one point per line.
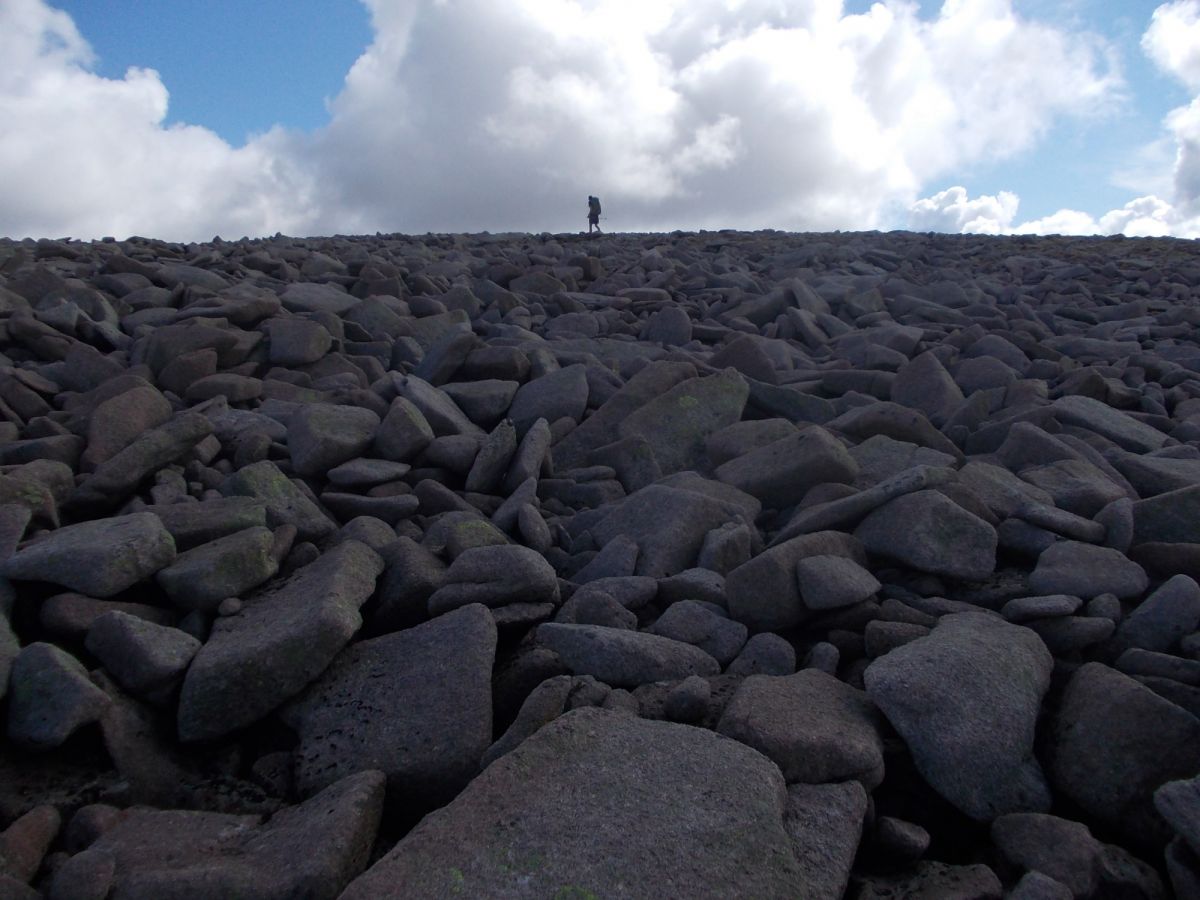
x: 416, y: 705
x: 312, y: 850
x: 929, y: 532
x: 677, y: 424
x: 624, y: 658
x: 816, y: 728
x: 572, y: 812
x: 764, y: 592
x: 1114, y: 743
x: 598, y: 428
x: 1092, y: 414
x: 668, y: 524
x: 279, y: 642
x: 285, y: 503
x: 99, y: 558
x: 966, y: 699
x: 781, y: 473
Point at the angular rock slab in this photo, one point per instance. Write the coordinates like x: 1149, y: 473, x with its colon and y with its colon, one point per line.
x: 966, y: 698
x: 831, y: 582
x: 764, y: 593
x: 496, y: 576
x: 1178, y: 802
x: 677, y: 424
x: 825, y: 822
x: 230, y: 566
x: 781, y: 473
x: 815, y: 728
x: 280, y: 641
x: 624, y: 658
x: 848, y: 511
x: 559, y: 394
x: 10, y: 646
x: 143, y: 657
x: 1162, y: 619
x: 654, y: 380
x: 1113, y: 424
x: 1171, y: 518
x: 1084, y: 570
x: 1067, y: 852
x: 123, y: 472
x: 322, y: 436
x: 312, y: 850
x: 931, y: 879
x: 192, y: 524
x: 50, y: 697
x: 566, y: 815
x: 99, y: 558
x: 668, y: 525
x: 1115, y: 742
x: 693, y: 623
x: 285, y: 503
x: 931, y: 533
x: 415, y: 704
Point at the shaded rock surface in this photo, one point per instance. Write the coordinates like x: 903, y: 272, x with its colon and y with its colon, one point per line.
x: 315, y: 848
x: 566, y: 816
x: 966, y: 698
x: 1116, y: 742
x: 415, y: 705
x: 99, y: 558
x: 277, y: 643
x: 623, y: 658
x: 814, y: 727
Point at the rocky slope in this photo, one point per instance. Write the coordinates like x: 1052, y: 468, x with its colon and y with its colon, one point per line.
x: 689, y: 565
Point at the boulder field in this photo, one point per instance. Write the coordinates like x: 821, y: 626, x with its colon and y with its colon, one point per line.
x: 692, y: 565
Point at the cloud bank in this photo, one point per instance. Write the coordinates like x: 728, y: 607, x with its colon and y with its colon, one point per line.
x: 1172, y: 42
x: 89, y: 156
x: 472, y: 115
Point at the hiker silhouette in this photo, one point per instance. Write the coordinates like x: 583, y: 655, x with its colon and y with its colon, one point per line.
x: 593, y: 213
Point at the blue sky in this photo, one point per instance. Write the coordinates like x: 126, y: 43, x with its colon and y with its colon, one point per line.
x: 235, y: 66
x: 1074, y: 165
x: 463, y: 114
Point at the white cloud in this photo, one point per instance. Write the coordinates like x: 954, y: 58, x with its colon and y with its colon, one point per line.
x: 951, y: 210
x: 472, y: 114
x: 89, y: 156
x: 689, y: 113
x: 1184, y: 124
x: 954, y: 211
x: 1169, y: 165
x: 1065, y: 221
x: 1143, y: 217
x: 1173, y: 40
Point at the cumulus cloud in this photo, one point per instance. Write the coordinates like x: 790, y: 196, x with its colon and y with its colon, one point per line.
x: 952, y: 210
x: 1143, y: 217
x: 471, y: 114
x: 689, y: 113
x: 1172, y: 42
x: 89, y: 156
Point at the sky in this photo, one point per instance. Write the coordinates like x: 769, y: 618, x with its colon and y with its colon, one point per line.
x: 315, y: 117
